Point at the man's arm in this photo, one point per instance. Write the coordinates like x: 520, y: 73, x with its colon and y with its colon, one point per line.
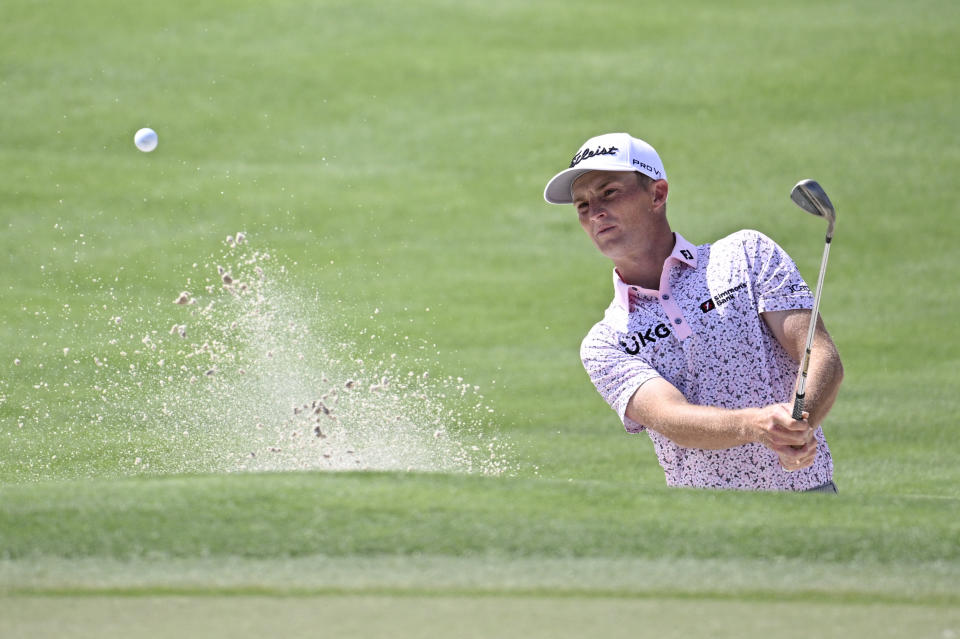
x: 825, y: 372
x: 661, y: 407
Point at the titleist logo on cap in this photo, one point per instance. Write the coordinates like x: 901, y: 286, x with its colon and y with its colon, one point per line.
x: 589, y: 153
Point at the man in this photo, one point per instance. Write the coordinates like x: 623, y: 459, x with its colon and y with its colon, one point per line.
x: 701, y: 344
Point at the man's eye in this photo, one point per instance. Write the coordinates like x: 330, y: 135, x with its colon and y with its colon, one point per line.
x: 609, y: 192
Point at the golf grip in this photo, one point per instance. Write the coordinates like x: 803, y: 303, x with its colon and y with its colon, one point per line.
x: 798, y: 407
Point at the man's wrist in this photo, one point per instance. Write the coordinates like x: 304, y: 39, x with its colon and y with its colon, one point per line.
x: 746, y: 420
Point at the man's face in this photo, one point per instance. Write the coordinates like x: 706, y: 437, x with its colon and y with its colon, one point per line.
x: 616, y: 210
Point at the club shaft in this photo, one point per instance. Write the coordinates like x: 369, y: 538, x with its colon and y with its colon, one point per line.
x: 798, y: 402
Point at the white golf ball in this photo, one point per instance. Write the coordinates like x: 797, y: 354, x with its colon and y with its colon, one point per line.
x: 145, y: 139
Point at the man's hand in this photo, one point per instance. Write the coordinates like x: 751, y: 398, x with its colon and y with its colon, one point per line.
x: 797, y: 458
x: 793, y: 441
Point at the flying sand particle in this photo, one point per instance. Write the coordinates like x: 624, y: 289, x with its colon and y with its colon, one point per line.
x: 269, y: 332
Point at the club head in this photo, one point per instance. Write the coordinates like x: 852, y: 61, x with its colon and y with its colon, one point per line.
x: 810, y: 196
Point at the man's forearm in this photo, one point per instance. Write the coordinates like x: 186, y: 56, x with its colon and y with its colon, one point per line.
x: 659, y: 406
x: 707, y: 427
x: 825, y: 371
x: 823, y: 378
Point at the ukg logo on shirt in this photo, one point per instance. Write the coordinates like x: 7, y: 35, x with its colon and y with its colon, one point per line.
x: 633, y: 343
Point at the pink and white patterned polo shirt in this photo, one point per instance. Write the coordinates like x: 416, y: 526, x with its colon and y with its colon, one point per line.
x: 702, y: 332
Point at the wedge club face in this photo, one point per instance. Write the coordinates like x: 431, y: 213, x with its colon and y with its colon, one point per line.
x: 810, y: 196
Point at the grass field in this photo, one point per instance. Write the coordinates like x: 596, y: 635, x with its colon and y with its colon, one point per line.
x: 385, y: 162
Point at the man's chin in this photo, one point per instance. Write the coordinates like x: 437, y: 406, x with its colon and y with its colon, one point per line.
x: 610, y: 246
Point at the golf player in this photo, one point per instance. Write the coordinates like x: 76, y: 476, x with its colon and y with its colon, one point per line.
x: 700, y: 345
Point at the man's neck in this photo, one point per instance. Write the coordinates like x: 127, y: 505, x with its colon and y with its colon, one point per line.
x: 644, y: 269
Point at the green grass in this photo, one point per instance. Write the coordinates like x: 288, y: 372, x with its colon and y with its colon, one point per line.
x: 391, y: 156
x: 270, y: 515
x: 459, y: 616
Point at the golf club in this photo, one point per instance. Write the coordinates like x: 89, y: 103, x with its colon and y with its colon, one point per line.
x: 811, y: 197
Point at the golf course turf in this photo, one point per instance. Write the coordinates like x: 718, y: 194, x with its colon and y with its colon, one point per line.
x: 372, y: 419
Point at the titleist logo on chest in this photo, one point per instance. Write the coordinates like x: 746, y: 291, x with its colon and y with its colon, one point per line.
x: 589, y: 153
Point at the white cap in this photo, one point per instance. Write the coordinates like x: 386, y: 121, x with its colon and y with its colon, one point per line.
x: 608, y: 152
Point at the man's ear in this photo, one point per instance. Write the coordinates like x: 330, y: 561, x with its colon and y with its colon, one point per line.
x: 660, y: 189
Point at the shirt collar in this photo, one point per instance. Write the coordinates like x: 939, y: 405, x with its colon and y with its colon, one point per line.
x: 683, y: 252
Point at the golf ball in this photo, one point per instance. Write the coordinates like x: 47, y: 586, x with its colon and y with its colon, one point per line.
x: 145, y: 139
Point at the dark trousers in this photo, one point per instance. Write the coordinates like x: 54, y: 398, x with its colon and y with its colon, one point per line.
x: 828, y: 487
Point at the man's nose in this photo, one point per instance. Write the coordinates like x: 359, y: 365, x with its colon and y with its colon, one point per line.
x: 595, y: 209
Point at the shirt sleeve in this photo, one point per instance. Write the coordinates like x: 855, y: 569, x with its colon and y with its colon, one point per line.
x: 616, y: 374
x: 778, y: 284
